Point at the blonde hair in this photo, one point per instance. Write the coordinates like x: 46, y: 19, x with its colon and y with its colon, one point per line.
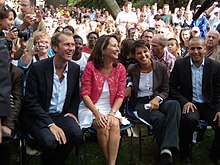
x: 41, y: 34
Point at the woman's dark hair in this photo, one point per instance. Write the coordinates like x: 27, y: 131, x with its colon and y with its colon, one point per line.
x: 58, y: 29
x: 4, y: 12
x: 124, y: 55
x: 97, y: 52
x: 182, y: 30
x: 139, y: 44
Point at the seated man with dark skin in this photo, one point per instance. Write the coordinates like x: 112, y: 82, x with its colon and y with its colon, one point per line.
x: 195, y: 84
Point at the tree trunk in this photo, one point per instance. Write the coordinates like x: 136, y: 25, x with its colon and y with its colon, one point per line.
x: 113, y: 7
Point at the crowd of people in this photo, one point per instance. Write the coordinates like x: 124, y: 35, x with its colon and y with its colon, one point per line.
x: 70, y: 68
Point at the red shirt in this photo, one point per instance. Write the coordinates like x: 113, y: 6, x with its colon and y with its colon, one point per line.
x: 86, y: 50
x: 93, y: 82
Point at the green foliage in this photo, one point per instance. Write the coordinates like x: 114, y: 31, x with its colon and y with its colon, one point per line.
x: 137, y: 3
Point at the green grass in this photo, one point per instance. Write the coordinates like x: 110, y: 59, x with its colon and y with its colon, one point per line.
x: 149, y: 152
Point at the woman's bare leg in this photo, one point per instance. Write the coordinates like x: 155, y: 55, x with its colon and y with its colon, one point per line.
x: 114, y: 140
x: 103, y: 138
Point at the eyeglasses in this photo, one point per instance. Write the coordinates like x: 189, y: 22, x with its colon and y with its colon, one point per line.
x: 24, y: 5
x: 41, y: 42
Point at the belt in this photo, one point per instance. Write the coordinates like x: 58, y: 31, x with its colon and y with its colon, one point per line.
x: 146, y: 97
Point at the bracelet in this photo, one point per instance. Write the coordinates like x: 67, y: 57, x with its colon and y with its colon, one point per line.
x: 95, y: 111
x: 114, y: 111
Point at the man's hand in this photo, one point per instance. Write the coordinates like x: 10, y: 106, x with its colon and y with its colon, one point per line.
x: 6, y: 130
x: 58, y: 133
x: 189, y: 106
x: 217, y: 117
x: 37, y: 20
x: 72, y: 116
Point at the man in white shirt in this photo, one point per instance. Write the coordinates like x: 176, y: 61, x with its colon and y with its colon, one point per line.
x: 126, y: 16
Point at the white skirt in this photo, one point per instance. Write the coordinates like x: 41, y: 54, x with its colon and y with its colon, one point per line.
x: 85, y: 115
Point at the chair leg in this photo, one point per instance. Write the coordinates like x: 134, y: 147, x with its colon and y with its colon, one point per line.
x: 78, y: 153
x: 131, y: 129
x: 140, y: 142
x: 85, y: 150
x: 22, y: 152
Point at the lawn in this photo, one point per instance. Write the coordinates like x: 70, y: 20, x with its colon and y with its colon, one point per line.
x: 149, y: 152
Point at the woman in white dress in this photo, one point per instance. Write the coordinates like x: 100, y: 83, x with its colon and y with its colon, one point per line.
x: 103, y: 91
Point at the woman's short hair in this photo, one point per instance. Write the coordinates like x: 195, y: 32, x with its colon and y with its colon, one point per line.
x: 139, y: 44
x: 97, y: 52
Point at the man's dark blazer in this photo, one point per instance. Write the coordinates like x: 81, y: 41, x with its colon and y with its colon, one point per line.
x: 39, y: 88
x: 5, y: 83
x: 160, y: 81
x: 181, y: 82
x: 17, y: 82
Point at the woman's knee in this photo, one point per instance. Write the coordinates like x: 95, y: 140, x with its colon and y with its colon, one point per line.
x: 115, y: 125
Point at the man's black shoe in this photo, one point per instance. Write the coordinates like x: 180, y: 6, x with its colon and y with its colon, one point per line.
x: 166, y: 157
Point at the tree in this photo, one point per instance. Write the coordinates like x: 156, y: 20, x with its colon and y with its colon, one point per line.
x: 113, y: 7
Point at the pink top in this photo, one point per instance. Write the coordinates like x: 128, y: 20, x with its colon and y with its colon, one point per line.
x: 93, y: 82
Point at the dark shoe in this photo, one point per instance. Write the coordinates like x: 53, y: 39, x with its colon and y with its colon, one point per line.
x: 166, y: 159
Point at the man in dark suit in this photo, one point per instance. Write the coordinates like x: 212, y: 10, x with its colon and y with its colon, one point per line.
x: 5, y: 83
x: 51, y: 101
x: 195, y: 83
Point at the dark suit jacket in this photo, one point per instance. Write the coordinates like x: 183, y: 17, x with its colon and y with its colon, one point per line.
x: 160, y: 81
x: 181, y: 82
x: 17, y: 81
x: 5, y: 83
x: 39, y: 92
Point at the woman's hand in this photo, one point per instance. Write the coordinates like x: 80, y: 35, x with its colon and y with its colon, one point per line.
x: 101, y: 120
x: 12, y: 34
x: 155, y: 103
x: 110, y: 120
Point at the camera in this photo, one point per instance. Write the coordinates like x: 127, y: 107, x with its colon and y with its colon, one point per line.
x: 21, y: 34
